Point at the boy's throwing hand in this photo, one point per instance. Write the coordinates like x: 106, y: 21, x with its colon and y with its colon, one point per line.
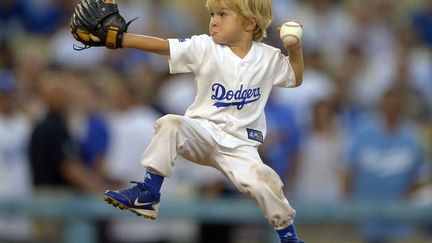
x: 291, y: 33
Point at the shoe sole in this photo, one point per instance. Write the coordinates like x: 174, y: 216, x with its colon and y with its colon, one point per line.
x: 140, y: 212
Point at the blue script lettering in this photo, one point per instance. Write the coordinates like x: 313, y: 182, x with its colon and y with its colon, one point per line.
x: 237, y: 98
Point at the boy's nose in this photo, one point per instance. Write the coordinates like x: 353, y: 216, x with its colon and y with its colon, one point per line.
x: 213, y: 22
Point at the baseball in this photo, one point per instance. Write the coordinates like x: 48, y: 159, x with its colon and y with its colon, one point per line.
x: 291, y: 33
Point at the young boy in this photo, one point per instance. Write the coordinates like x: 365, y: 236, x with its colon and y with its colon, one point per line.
x: 234, y: 74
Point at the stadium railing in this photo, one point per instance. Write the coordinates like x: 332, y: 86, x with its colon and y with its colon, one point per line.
x: 78, y: 213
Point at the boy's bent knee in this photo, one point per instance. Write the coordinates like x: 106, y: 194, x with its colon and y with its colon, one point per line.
x: 262, y: 179
x: 269, y: 177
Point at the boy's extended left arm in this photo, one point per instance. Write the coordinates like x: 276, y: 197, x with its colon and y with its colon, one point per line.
x: 147, y: 43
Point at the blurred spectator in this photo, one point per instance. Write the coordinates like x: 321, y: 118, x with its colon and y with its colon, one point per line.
x: 55, y: 160
x: 348, y: 106
x: 376, y: 37
x: 413, y: 64
x: 282, y: 140
x: 15, y: 176
x: 319, y: 166
x: 422, y: 22
x: 91, y: 128
x: 11, y: 12
x: 375, y: 34
x: 347, y: 113
x: 385, y: 163
x: 417, y: 108
x: 413, y: 77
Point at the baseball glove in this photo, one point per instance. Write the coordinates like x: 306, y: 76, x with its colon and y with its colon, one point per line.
x: 101, y: 19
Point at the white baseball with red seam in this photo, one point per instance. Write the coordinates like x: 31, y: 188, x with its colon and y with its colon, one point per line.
x: 291, y: 33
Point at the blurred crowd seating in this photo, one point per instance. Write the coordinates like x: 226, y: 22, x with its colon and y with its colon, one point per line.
x: 358, y: 129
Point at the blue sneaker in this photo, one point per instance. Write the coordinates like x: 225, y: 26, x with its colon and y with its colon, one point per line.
x: 137, y: 199
x: 292, y: 241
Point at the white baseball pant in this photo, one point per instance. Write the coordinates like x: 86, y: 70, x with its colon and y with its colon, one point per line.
x: 243, y: 166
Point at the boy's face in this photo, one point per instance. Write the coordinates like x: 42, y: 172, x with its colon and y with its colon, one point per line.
x: 226, y: 26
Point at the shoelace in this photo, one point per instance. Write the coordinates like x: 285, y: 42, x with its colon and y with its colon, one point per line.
x: 138, y: 187
x: 139, y: 184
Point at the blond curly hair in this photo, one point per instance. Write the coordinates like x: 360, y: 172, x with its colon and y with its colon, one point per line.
x: 247, y: 9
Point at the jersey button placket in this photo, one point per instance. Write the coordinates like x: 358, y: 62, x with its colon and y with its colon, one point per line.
x: 240, y: 80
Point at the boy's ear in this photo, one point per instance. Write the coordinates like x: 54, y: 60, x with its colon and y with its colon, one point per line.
x: 250, y: 24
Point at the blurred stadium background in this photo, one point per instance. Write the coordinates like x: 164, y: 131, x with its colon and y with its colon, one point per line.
x: 352, y: 145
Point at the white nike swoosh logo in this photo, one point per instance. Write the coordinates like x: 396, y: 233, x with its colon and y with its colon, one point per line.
x: 137, y: 203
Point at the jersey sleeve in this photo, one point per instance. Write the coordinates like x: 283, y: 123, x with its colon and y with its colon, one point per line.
x: 186, y: 54
x: 284, y: 75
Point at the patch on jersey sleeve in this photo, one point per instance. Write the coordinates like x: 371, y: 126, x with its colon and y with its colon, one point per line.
x: 255, y: 135
x: 182, y: 40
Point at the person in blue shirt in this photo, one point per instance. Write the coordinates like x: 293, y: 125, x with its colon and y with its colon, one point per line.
x: 422, y: 22
x: 385, y: 160
x: 282, y: 143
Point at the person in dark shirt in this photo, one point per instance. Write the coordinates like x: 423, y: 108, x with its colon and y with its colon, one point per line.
x: 51, y: 145
x: 53, y: 155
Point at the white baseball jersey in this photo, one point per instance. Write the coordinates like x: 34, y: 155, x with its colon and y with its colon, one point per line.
x: 231, y: 91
